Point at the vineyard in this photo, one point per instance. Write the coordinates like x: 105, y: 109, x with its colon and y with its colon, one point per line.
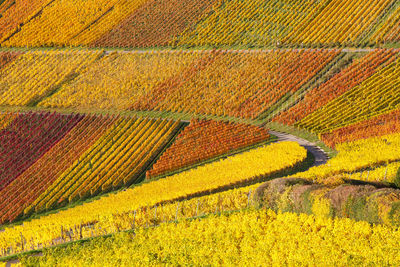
x: 199, y: 133
x: 358, y: 71
x: 102, y: 214
x: 34, y: 75
x: 44, y: 177
x: 360, y: 155
x: 182, y: 23
x: 157, y: 81
x: 289, y: 235
x: 203, y: 140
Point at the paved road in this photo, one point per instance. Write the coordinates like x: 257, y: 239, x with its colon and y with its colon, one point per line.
x: 320, y: 156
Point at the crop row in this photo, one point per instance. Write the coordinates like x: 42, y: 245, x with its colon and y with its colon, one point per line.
x: 117, y: 158
x: 383, y: 174
x: 254, y: 22
x: 234, y: 199
x: 378, y: 94
x: 5, y: 4
x: 182, y: 23
x: 71, y: 22
x: 49, y: 158
x: 242, y: 168
x: 6, y: 58
x: 203, y: 140
x: 6, y: 119
x: 36, y: 74
x: 80, y: 156
x: 27, y: 138
x: 117, y: 80
x: 349, y: 77
x: 245, y: 88
x: 245, y: 238
x: 185, y: 81
x: 104, y: 23
x: 27, y: 187
x: 15, y: 14
x: 356, y: 156
x: 294, y: 23
x: 374, y: 127
x: 389, y: 31
x: 155, y: 23
x: 388, y: 173
x: 340, y: 22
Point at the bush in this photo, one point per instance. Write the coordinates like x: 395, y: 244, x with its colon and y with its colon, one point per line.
x: 397, y: 179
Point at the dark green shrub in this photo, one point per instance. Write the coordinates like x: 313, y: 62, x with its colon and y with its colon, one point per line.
x: 397, y: 179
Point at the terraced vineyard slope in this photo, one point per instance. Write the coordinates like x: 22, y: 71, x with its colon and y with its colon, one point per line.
x: 209, y: 132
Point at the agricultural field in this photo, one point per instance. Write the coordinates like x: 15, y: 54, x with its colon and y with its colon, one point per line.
x: 191, y: 133
x: 360, y: 155
x: 204, y: 140
x: 105, y: 214
x: 182, y: 23
x: 256, y: 232
x: 245, y: 89
x: 62, y: 156
x: 359, y: 70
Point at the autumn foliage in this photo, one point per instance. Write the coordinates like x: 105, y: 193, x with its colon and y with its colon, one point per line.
x: 340, y: 83
x: 16, y: 13
x: 389, y: 31
x: 116, y: 211
x: 377, y: 126
x: 202, y: 140
x: 236, y: 84
x: 155, y: 23
x: 26, y: 139
x: 26, y: 188
x: 183, y: 23
x: 49, y: 158
x: 7, y: 57
x: 379, y: 94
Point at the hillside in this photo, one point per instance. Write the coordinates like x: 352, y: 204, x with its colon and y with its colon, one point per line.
x: 214, y: 132
x: 207, y: 23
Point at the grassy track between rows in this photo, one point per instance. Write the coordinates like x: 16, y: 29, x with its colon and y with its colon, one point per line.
x: 302, y: 166
x: 186, y: 117
x: 141, y: 181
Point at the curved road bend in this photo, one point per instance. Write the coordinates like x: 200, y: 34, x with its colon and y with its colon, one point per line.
x: 320, y: 156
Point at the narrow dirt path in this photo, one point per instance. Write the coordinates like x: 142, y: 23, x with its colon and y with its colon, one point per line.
x: 245, y: 51
x: 320, y: 156
x: 179, y: 50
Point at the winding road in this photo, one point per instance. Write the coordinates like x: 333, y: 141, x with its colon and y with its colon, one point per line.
x: 320, y: 156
